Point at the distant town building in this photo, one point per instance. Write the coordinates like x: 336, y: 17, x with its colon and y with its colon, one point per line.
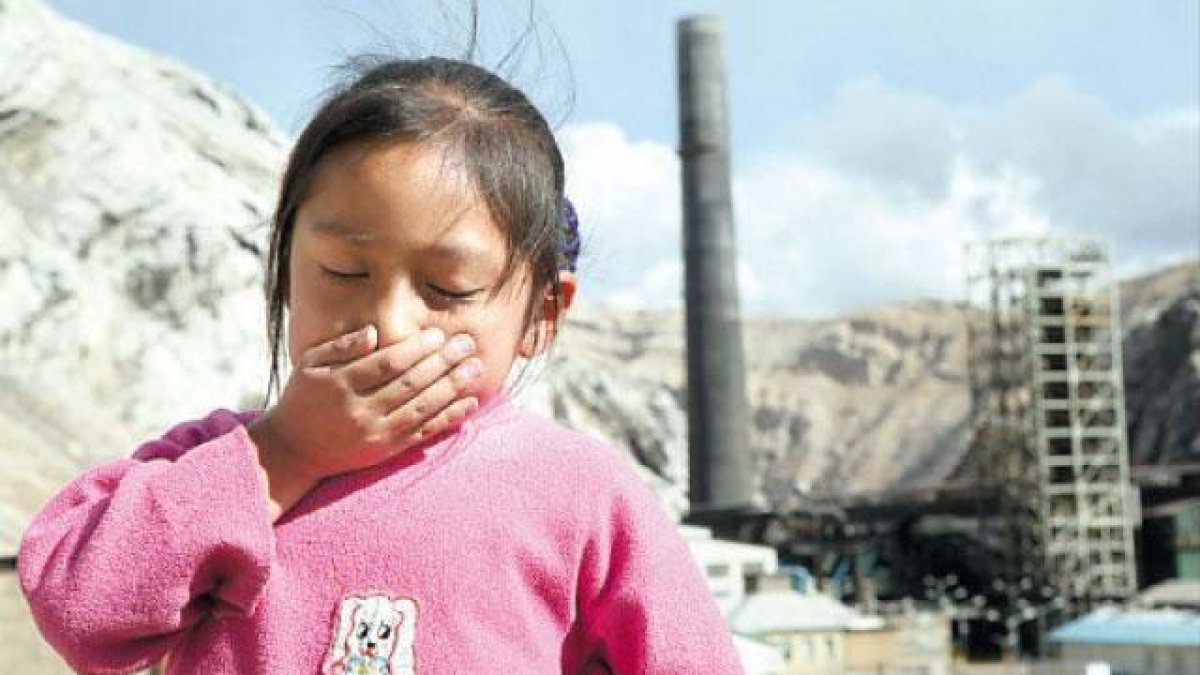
x: 1147, y: 642
x: 732, y: 570
x: 759, y: 658
x: 782, y: 625
x: 809, y: 628
x: 1181, y: 594
x: 731, y: 567
x: 818, y: 635
x: 1170, y: 536
x: 916, y: 643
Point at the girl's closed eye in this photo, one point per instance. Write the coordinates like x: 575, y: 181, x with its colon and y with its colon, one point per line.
x: 348, y: 275
x: 449, y: 294
x: 344, y: 275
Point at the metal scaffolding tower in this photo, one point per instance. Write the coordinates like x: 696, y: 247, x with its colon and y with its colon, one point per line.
x: 1048, y: 411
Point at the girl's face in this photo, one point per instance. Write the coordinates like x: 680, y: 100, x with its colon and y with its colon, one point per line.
x: 395, y: 235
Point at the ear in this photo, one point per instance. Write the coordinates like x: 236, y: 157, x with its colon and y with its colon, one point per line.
x: 542, y: 332
x: 404, y: 633
x: 341, y: 632
x: 406, y: 609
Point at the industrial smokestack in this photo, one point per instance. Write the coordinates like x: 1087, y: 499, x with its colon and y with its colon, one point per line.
x: 716, y: 390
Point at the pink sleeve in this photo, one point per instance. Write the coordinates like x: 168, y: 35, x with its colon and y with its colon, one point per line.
x: 644, y: 603
x: 131, y: 554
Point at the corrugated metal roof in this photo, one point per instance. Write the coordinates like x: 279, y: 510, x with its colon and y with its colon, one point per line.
x: 786, y: 611
x: 1112, y: 627
x: 1182, y: 593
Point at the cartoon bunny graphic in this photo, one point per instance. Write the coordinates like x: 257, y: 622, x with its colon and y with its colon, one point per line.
x: 373, y: 635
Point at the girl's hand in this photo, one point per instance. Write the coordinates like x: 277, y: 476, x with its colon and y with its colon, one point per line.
x: 347, y: 406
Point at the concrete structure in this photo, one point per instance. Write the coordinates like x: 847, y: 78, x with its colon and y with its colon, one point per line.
x: 819, y: 635
x: 780, y: 631
x: 731, y: 567
x: 733, y: 570
x: 1155, y: 642
x: 1049, y: 414
x: 1180, y: 594
x: 719, y: 477
x: 917, y: 643
x: 809, y: 629
x: 759, y: 658
x: 1169, y: 541
x: 1187, y: 539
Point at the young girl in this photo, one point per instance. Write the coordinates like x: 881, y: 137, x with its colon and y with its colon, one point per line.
x: 392, y: 513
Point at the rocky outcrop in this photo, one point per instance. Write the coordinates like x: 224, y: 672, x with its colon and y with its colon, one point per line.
x: 879, y: 400
x: 133, y: 202
x: 1162, y: 380
x: 872, y: 401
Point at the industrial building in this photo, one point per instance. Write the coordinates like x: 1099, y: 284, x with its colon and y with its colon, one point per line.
x: 1049, y: 413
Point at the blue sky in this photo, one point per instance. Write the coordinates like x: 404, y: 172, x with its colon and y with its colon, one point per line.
x: 880, y: 131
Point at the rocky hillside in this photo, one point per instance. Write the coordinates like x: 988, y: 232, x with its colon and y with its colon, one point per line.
x: 133, y: 199
x: 877, y: 400
x: 1162, y: 366
x: 861, y: 403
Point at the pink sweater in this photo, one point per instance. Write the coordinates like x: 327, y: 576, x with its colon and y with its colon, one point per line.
x: 511, y: 545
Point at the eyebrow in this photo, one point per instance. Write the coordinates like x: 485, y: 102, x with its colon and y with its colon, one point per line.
x: 336, y: 228
x: 460, y: 253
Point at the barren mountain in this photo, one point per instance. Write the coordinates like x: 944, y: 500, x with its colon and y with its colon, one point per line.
x: 133, y: 198
x: 1162, y: 366
x: 871, y: 401
x: 878, y: 400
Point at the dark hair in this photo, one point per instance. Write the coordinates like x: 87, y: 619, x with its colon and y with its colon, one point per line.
x: 504, y: 144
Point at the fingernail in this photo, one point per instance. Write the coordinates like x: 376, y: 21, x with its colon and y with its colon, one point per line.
x: 433, y: 337
x: 351, y: 339
x: 462, y: 345
x: 468, y: 371
x: 472, y: 405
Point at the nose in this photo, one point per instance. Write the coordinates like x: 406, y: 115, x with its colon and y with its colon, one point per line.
x: 399, y: 312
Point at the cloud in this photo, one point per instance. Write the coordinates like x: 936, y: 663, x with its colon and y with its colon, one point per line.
x: 903, y: 142
x: 627, y: 195
x: 877, y: 203
x: 661, y: 286
x: 824, y: 243
x: 1093, y: 173
x: 1134, y: 182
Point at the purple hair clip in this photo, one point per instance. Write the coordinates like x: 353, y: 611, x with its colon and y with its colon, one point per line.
x: 568, y: 241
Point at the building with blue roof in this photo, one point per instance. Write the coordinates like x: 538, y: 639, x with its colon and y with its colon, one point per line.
x: 1145, y: 642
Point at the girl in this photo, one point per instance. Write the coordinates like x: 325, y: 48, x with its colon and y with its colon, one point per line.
x: 392, y: 513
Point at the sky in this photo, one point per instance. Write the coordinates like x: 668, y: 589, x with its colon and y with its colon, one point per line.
x: 870, y: 140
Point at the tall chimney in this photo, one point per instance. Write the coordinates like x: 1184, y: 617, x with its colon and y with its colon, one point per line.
x: 716, y: 391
